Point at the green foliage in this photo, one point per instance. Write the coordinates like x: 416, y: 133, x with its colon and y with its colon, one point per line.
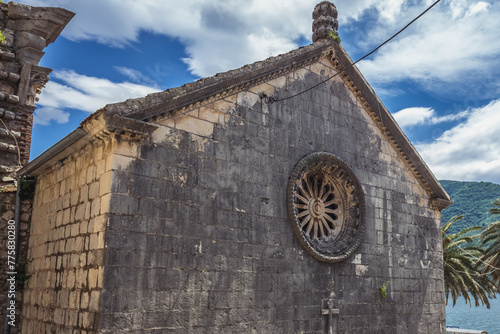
x: 463, y: 276
x: 383, y: 289
x: 490, y: 240
x: 335, y: 36
x: 26, y: 190
x: 495, y: 210
x: 472, y: 200
x: 2, y: 37
x: 22, y: 274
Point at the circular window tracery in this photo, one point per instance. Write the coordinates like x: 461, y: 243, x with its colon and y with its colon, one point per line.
x: 326, y: 207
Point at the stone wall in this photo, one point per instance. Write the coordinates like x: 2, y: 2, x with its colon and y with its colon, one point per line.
x: 7, y: 212
x: 198, y: 238
x: 17, y: 117
x: 26, y: 31
x: 67, y: 244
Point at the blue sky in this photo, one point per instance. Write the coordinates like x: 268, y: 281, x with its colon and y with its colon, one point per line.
x: 439, y: 78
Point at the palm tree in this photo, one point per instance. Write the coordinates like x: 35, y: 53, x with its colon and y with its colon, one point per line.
x: 490, y: 239
x: 461, y: 275
x: 496, y: 209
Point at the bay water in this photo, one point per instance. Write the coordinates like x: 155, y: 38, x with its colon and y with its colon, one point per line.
x: 480, y: 318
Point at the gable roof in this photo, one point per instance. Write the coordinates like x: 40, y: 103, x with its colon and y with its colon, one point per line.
x: 156, y: 104
x: 176, y: 100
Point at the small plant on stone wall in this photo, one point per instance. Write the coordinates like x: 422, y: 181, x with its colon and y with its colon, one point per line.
x: 383, y: 289
x: 22, y: 273
x: 26, y: 189
x: 2, y: 36
x: 3, y: 208
x: 334, y: 35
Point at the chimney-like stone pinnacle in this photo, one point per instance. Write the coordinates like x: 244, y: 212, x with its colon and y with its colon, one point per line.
x: 325, y: 21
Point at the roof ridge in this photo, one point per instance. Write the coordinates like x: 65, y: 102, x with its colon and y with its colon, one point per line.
x: 135, y: 108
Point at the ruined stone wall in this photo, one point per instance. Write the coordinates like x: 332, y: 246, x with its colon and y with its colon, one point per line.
x: 25, y: 32
x: 17, y: 117
x: 198, y: 239
x: 67, y: 244
x: 7, y: 213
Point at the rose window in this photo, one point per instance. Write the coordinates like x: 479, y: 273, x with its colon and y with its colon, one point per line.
x: 326, y: 207
x: 319, y: 205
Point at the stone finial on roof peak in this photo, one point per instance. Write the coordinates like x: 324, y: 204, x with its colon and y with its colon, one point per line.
x: 325, y: 21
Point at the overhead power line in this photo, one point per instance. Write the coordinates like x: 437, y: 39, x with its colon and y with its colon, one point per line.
x: 270, y: 99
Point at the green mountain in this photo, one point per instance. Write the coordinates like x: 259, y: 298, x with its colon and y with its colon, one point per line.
x: 471, y: 199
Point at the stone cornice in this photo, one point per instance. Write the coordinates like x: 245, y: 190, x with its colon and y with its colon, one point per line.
x: 46, y: 22
x: 218, y: 86
x: 102, y: 128
x: 122, y: 127
x: 439, y: 203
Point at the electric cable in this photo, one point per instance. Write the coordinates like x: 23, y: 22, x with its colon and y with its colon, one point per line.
x: 270, y: 99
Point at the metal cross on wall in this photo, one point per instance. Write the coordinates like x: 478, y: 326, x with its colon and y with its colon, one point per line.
x: 330, y: 312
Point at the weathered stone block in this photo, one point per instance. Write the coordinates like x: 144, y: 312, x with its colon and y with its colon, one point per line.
x: 195, y: 125
x: 26, y: 39
x: 9, y: 114
x: 13, y: 77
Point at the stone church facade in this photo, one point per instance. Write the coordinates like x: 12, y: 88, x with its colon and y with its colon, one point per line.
x: 244, y: 202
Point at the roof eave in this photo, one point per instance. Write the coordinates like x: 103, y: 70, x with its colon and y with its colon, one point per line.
x: 176, y: 98
x: 388, y: 126
x: 58, y: 151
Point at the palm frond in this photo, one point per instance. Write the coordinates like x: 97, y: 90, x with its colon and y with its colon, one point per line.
x: 496, y: 209
x: 463, y: 276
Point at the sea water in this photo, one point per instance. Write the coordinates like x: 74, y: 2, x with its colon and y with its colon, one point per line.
x: 480, y: 318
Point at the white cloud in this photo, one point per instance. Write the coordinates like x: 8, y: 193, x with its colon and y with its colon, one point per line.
x: 458, y: 8
x: 44, y: 115
x: 413, y: 116
x: 389, y: 9
x: 456, y: 39
x: 469, y: 151
x: 136, y: 76
x: 450, y: 49
x: 450, y: 117
x: 478, y: 8
x: 419, y: 116
x: 218, y: 34
x: 70, y: 90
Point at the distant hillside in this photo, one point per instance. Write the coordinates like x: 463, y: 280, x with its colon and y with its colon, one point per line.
x: 471, y: 199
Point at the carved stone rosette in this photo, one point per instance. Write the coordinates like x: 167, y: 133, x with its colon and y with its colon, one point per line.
x: 326, y: 207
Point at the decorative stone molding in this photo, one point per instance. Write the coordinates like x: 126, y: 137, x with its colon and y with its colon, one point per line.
x: 325, y: 20
x: 439, y: 204
x: 103, y: 127
x: 207, y: 90
x: 129, y: 129
x: 326, y: 207
x: 38, y: 80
